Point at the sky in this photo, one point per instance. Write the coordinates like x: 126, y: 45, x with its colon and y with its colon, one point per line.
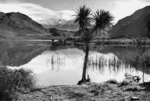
x: 49, y: 11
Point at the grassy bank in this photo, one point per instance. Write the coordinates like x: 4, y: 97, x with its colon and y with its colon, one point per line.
x: 14, y: 81
x: 108, y: 91
x: 124, y: 41
x: 18, y: 85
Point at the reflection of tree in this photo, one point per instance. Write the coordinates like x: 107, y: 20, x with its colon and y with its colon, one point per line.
x: 136, y: 57
x: 55, y: 62
x: 100, y: 62
x: 97, y: 63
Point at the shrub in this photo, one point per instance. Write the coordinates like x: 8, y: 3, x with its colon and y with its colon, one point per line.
x: 12, y: 81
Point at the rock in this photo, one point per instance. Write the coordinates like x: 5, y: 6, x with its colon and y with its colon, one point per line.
x: 133, y: 89
x: 130, y: 80
x: 136, y: 78
x: 112, y: 81
x: 133, y: 98
x: 126, y: 82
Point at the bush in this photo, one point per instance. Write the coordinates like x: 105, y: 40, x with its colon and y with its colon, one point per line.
x: 12, y: 81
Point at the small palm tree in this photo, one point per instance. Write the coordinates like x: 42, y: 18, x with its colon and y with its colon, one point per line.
x: 90, y: 26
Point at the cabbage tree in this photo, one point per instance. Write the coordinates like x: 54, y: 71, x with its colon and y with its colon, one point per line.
x: 90, y: 26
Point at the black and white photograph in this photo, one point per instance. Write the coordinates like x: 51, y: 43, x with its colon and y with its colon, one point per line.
x: 74, y: 50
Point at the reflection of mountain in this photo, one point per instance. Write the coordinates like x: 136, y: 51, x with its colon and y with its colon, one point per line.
x: 137, y: 57
x: 16, y: 54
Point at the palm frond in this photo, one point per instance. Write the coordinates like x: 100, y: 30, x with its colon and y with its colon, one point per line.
x: 89, y: 30
x: 102, y: 20
x: 83, y: 16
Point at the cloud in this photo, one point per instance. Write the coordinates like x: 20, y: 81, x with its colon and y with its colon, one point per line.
x: 125, y: 8
x: 146, y: 0
x: 36, y: 12
x: 121, y: 9
x: 10, y: 1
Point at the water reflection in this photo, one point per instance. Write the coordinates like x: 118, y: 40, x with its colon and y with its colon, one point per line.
x: 62, y: 65
x: 112, y: 62
x: 109, y: 66
x: 57, y: 67
x: 19, y: 53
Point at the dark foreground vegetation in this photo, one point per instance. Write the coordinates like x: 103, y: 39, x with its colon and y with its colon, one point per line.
x: 13, y: 82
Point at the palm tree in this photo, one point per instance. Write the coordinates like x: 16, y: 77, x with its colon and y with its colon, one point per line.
x: 90, y: 26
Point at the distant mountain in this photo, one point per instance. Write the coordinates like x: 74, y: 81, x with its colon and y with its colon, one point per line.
x: 62, y: 33
x: 61, y: 24
x: 19, y: 26
x: 133, y: 26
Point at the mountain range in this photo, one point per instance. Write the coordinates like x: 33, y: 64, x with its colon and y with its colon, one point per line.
x: 62, y: 24
x: 133, y: 26
x: 19, y: 26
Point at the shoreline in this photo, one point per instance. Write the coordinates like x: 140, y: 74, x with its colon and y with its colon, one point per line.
x: 101, y: 41
x: 107, y: 91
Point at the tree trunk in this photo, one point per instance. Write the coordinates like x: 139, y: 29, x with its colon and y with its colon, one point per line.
x: 85, y: 64
x: 143, y: 71
x: 148, y: 34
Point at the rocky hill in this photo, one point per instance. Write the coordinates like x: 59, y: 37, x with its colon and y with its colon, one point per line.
x: 133, y: 26
x: 19, y: 26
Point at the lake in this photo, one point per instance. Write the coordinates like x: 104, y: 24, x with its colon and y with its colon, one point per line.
x: 54, y: 64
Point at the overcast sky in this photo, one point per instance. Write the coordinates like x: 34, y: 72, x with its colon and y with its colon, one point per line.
x: 43, y: 10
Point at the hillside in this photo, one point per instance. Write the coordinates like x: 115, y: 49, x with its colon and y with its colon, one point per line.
x: 19, y: 26
x: 61, y: 33
x: 133, y: 26
x: 63, y: 25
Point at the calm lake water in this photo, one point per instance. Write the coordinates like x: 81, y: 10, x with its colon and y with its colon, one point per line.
x: 62, y: 65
